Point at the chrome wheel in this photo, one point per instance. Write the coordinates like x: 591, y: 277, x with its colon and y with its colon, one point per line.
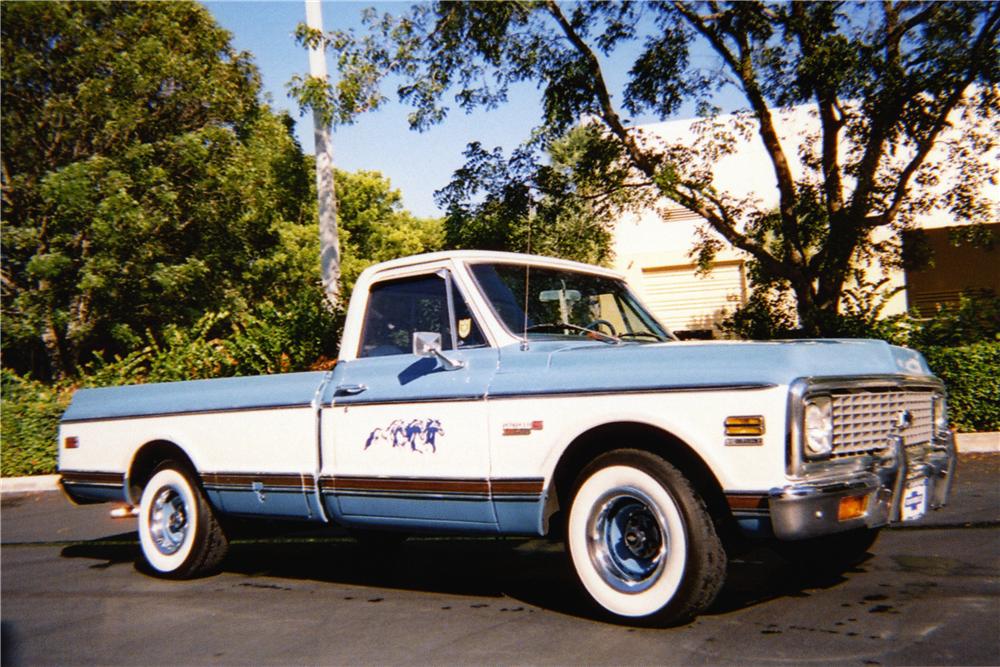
x: 626, y: 540
x: 642, y: 543
x: 178, y: 532
x: 168, y: 521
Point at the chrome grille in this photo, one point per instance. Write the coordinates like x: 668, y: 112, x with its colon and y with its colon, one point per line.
x: 864, y: 420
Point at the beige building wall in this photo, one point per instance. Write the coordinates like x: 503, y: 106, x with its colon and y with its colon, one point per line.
x: 654, y: 248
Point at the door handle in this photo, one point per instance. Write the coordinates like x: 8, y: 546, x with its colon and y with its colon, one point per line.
x: 351, y: 389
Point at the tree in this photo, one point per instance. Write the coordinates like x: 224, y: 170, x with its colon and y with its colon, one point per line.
x: 374, y: 227
x: 143, y: 182
x: 517, y: 205
x: 885, y: 80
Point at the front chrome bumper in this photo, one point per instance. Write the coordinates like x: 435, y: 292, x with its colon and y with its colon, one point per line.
x: 812, y: 507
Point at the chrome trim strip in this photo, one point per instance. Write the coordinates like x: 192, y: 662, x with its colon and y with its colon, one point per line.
x: 93, y: 478
x: 339, y: 402
x: 610, y: 391
x: 401, y: 495
x: 228, y: 481
x: 216, y: 411
x: 479, y: 489
x: 563, y: 393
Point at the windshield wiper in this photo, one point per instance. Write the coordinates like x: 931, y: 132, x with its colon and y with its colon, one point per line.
x: 642, y: 334
x: 591, y: 333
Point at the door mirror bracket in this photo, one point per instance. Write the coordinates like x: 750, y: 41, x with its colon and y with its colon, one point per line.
x: 428, y: 344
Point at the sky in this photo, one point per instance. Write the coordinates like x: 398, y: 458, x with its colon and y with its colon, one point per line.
x: 416, y: 163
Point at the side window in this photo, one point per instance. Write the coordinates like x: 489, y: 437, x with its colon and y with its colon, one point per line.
x: 398, y: 308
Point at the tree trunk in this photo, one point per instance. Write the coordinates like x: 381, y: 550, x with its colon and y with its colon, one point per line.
x: 52, y: 340
x: 805, y: 306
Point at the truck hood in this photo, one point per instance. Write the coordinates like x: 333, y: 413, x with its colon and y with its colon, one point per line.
x: 595, y: 366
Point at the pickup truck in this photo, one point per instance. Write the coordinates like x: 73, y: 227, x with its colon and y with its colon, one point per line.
x: 504, y: 394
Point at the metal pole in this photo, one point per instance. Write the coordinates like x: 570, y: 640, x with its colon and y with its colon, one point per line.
x: 329, y: 245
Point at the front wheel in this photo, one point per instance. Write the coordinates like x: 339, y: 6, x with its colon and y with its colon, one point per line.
x: 179, y: 535
x: 642, y: 541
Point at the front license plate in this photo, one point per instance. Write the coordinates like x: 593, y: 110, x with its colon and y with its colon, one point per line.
x: 914, y: 499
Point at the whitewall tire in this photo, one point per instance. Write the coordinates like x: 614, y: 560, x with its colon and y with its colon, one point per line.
x: 641, y: 540
x: 179, y: 535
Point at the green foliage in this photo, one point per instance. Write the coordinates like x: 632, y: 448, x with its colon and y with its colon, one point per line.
x: 269, y: 340
x: 971, y: 374
x: 159, y: 222
x: 975, y: 319
x: 143, y: 182
x: 885, y: 82
x: 551, y: 207
x: 29, y: 424
x: 961, y: 344
x: 765, y: 316
x: 373, y: 226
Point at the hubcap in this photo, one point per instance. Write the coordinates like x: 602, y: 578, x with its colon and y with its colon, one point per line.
x: 168, y: 521
x: 626, y: 540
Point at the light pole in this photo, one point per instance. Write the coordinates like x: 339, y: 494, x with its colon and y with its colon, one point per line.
x: 329, y: 245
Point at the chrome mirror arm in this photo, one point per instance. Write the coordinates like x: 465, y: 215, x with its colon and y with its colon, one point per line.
x: 428, y: 344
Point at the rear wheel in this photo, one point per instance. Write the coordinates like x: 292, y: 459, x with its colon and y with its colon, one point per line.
x: 179, y: 535
x: 641, y: 539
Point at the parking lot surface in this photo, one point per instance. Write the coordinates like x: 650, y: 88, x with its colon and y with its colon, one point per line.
x: 72, y: 594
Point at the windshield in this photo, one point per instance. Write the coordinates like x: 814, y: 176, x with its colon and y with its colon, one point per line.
x: 565, y: 303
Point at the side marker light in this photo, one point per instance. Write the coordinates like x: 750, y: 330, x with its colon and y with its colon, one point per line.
x: 748, y: 425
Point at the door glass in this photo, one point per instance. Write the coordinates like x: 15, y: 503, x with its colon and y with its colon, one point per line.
x: 398, y: 308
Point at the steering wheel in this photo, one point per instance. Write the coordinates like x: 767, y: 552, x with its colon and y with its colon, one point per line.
x: 594, y: 326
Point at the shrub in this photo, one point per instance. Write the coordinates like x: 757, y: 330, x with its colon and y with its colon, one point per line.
x: 29, y: 424
x: 975, y: 318
x: 272, y: 340
x: 972, y: 375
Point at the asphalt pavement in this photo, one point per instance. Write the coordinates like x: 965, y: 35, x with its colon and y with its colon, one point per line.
x: 72, y: 594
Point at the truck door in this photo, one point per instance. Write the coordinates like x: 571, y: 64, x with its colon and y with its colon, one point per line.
x: 405, y: 440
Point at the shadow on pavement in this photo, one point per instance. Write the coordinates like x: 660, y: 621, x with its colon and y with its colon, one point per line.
x: 534, y: 572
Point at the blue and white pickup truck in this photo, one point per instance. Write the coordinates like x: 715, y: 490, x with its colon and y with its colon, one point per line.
x: 494, y: 393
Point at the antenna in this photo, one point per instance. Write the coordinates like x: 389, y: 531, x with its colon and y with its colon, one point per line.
x: 527, y: 281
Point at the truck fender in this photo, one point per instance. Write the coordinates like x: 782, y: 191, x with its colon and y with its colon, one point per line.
x: 147, y: 457
x: 603, y: 438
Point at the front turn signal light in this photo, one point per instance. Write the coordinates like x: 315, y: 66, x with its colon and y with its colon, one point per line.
x: 852, y: 507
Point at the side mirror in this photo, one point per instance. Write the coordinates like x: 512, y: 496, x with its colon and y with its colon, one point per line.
x: 428, y: 344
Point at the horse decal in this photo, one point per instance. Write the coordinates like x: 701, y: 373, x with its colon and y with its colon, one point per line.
x: 420, y: 435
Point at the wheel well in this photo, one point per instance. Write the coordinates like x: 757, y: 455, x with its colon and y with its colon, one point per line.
x: 632, y: 435
x: 147, y: 459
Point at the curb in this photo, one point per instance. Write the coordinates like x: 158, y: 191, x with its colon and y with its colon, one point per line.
x: 966, y: 443
x: 32, y: 484
x: 979, y: 443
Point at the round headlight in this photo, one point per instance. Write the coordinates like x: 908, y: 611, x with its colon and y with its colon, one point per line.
x: 818, y: 426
